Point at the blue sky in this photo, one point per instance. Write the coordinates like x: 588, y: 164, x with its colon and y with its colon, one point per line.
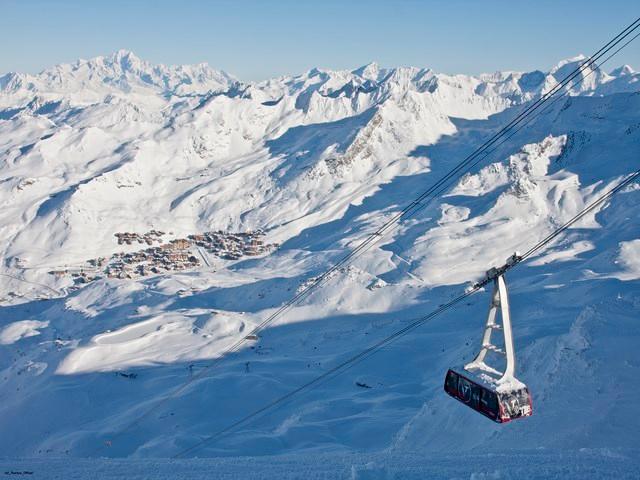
x: 257, y: 39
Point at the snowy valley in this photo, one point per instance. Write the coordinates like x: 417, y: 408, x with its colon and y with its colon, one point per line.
x: 154, y: 215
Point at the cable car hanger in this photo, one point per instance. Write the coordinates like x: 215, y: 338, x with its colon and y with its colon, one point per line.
x: 497, y: 394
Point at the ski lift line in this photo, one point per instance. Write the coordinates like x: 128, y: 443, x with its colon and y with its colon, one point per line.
x: 352, y: 361
x: 419, y: 203
x: 325, y: 277
x: 488, y: 153
x: 408, y: 211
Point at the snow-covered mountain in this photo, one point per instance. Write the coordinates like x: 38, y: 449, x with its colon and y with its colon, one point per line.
x: 122, y: 72
x: 153, y: 214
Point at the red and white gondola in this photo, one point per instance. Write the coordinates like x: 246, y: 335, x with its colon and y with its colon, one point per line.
x: 496, y: 394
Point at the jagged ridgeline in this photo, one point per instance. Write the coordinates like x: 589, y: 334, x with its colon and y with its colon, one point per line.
x: 114, y: 143
x: 152, y: 216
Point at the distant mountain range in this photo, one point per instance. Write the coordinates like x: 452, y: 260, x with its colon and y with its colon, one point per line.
x: 152, y: 215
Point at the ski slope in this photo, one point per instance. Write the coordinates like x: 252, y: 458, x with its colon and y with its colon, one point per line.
x: 585, y: 463
x: 317, y: 161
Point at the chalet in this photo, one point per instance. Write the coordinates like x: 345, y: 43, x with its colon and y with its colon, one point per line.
x: 178, y: 257
x: 180, y: 244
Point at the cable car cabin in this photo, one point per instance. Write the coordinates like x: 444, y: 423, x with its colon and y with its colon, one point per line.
x: 494, y: 392
x: 500, y: 407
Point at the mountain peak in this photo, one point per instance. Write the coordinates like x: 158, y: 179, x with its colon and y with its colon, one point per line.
x: 123, y: 54
x: 568, y: 61
x: 370, y: 71
x: 120, y: 71
x: 127, y: 60
x: 622, y: 71
x: 563, y: 67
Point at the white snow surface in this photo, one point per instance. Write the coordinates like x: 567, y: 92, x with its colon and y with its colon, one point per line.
x: 22, y: 329
x: 629, y: 260
x: 318, y: 161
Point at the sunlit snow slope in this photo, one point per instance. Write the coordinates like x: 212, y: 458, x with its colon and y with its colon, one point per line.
x: 316, y: 161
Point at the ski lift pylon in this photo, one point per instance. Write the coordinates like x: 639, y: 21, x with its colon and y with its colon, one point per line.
x: 497, y: 394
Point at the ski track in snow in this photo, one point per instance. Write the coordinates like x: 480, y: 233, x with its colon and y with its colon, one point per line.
x: 318, y: 161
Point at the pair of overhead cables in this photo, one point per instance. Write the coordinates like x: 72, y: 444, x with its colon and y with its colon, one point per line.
x: 530, y: 112
x: 355, y: 359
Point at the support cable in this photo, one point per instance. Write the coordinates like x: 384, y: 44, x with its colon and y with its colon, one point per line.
x: 416, y: 205
x: 344, y: 366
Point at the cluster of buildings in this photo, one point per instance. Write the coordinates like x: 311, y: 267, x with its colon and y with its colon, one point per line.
x: 128, y: 238
x: 168, y: 257
x: 175, y: 255
x: 232, y: 246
